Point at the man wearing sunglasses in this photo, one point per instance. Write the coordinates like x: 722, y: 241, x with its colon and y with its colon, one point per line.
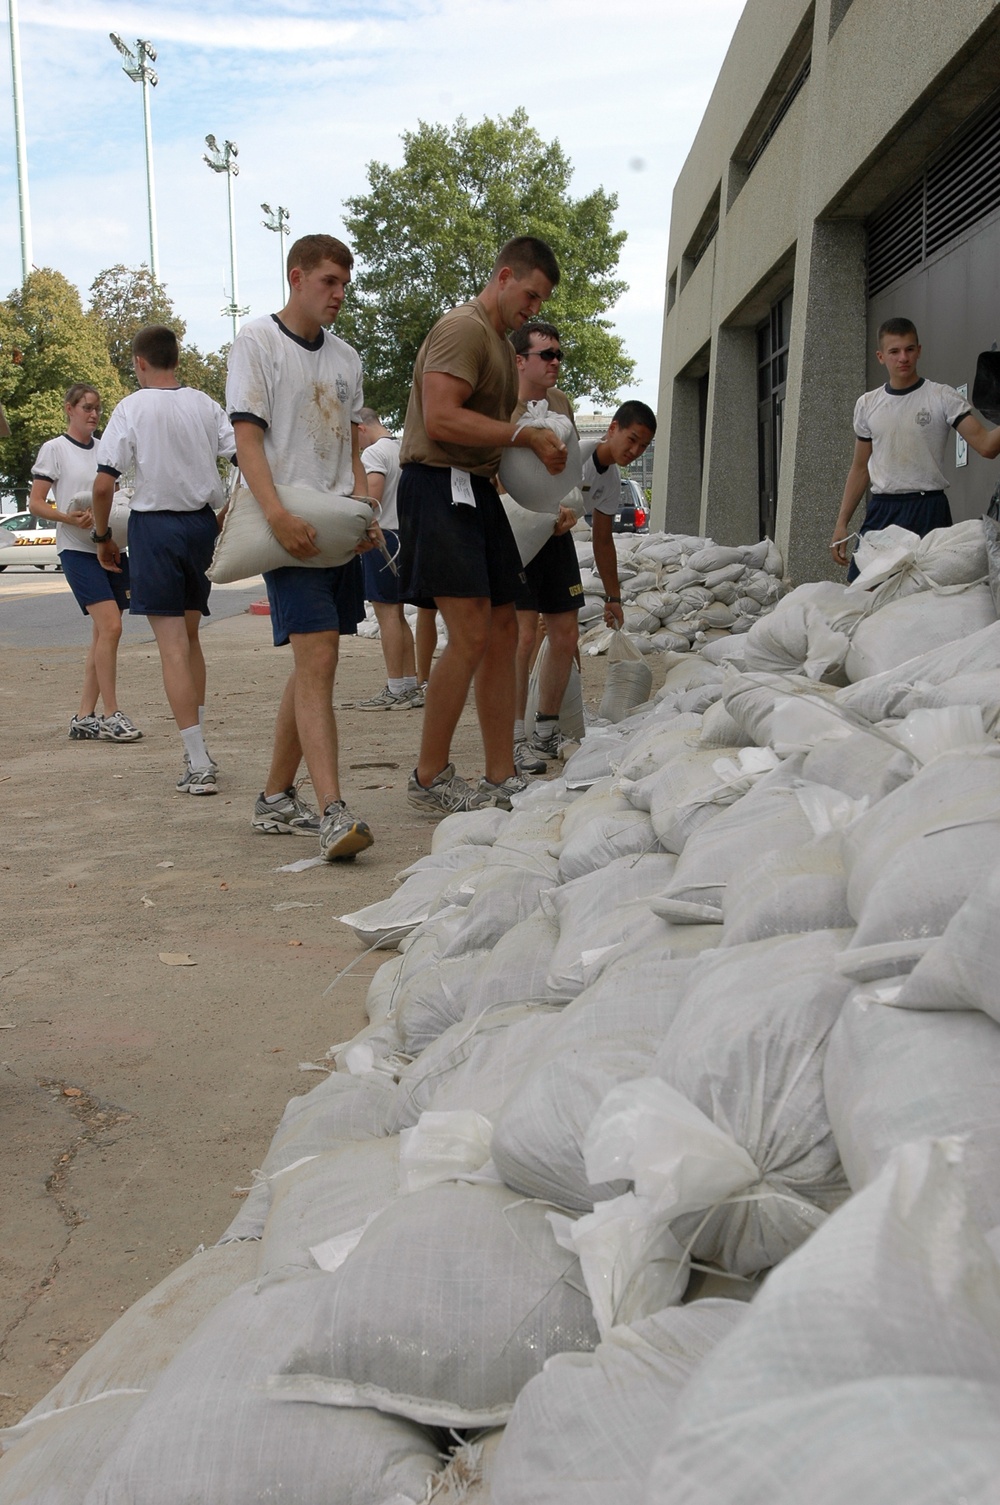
x: 552, y: 579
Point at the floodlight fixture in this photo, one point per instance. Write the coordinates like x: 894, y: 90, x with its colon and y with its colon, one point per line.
x: 20, y: 147
x: 277, y: 220
x: 137, y: 68
x: 223, y: 159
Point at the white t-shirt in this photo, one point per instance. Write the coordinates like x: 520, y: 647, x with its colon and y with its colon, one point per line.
x: 173, y: 437
x: 69, y: 467
x: 305, y: 394
x: 605, y: 493
x: 909, y: 432
x: 382, y: 458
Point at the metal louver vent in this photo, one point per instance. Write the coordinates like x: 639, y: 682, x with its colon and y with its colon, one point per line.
x: 954, y: 192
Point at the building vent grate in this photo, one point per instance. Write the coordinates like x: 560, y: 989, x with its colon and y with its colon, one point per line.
x: 957, y: 190
x: 784, y: 105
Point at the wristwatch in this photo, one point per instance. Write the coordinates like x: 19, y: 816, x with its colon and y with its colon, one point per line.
x: 613, y: 600
x: 100, y: 537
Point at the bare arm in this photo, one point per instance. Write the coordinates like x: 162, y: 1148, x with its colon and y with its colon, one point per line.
x: 40, y: 506
x: 984, y: 441
x: 448, y: 422
x: 103, y: 496
x: 293, y: 533
x: 606, y: 560
x: 854, y: 489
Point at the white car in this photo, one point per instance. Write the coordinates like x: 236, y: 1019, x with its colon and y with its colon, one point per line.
x: 32, y: 541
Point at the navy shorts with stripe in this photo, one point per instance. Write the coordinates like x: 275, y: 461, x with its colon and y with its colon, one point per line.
x: 90, y: 582
x: 381, y: 584
x: 552, y: 578
x: 170, y: 552
x: 315, y: 600
x: 451, y: 549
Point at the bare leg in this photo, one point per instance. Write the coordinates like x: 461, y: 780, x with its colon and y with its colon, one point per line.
x: 287, y: 753
x: 563, y: 631
x: 184, y: 692
x: 427, y: 637
x: 397, y: 640
x: 527, y: 632
x: 468, y: 619
x: 102, y: 659
x: 196, y: 659
x: 91, y: 689
x: 495, y: 694
x: 316, y: 656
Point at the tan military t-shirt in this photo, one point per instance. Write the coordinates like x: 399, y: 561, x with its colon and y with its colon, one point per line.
x: 464, y: 344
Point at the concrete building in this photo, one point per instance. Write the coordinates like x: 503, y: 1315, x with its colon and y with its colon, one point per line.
x: 847, y: 170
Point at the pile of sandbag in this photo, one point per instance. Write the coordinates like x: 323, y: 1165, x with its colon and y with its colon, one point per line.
x: 716, y: 1005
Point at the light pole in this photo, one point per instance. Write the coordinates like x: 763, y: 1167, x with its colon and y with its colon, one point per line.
x: 137, y: 67
x: 24, y: 208
x: 277, y: 220
x: 223, y: 159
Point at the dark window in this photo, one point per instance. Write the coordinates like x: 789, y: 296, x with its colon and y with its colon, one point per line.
x: 772, y: 376
x: 779, y: 115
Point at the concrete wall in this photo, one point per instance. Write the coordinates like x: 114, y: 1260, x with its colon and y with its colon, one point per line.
x: 858, y: 130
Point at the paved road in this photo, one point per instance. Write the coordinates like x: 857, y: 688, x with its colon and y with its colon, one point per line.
x: 37, y: 610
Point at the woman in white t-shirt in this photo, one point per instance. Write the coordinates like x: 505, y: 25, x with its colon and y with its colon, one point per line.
x: 64, y: 468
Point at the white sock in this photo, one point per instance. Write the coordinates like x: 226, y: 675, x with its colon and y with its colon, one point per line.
x: 396, y: 686
x: 194, y: 745
x: 519, y: 731
x: 409, y: 682
x: 275, y: 799
x: 201, y: 716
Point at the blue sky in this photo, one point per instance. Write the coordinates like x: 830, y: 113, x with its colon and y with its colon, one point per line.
x: 311, y: 94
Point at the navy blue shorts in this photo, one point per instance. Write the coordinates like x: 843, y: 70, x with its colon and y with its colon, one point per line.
x: 90, y: 582
x: 170, y: 552
x: 553, y: 578
x: 381, y: 584
x: 304, y: 600
x: 449, y: 549
x: 919, y: 511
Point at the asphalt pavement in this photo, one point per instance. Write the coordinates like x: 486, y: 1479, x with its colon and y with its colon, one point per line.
x: 38, y: 610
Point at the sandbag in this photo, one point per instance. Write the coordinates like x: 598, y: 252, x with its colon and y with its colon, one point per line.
x: 523, y: 475
x: 592, y: 924
x: 961, y: 970
x: 54, y: 1459
x: 875, y: 697
x: 246, y: 546
x: 628, y: 682
x: 894, y: 1075
x: 531, y: 530
x: 627, y: 833
x: 209, y: 1430
x: 916, y: 625
x: 454, y: 1297
x: 787, y: 891
x: 435, y: 999
x: 508, y: 892
x: 385, y: 923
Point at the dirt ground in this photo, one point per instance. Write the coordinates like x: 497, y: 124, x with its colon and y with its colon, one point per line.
x: 136, y: 1097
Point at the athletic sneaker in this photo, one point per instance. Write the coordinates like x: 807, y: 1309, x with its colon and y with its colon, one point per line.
x: 198, y: 781
x: 341, y: 834
x: 118, y: 728
x: 410, y: 700
x: 526, y: 760
x: 547, y: 745
x: 85, y: 728
x: 446, y: 795
x: 385, y: 700
x: 502, y: 794
x: 287, y: 816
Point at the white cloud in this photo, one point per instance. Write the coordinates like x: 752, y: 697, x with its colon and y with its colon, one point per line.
x: 312, y: 98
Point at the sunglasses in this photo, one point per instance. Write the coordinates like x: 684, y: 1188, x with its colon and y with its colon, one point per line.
x: 548, y: 355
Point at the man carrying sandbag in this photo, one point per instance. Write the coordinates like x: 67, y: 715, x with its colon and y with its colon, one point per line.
x: 629, y: 435
x: 900, y: 433
x: 457, y: 550
x: 294, y: 396
x: 552, y: 579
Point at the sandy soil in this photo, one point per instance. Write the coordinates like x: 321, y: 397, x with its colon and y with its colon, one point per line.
x: 136, y: 1097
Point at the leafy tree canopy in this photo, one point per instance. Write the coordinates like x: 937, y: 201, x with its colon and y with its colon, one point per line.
x: 427, y: 234
x: 47, y: 342
x: 122, y: 301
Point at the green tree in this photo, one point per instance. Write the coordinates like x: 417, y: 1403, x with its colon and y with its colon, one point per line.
x: 427, y: 233
x: 47, y: 342
x: 122, y: 301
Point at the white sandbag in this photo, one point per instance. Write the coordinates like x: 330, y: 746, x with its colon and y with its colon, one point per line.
x: 746, y: 1047
x: 787, y: 892
x: 894, y: 562
x: 480, y: 827
x: 209, y: 1430
x: 381, y: 996
x: 118, y: 519
x: 982, y: 690
x: 452, y: 1300
x: 246, y: 546
x: 585, y: 1430
x: 718, y: 729
x: 593, y: 921
x: 538, y: 1140
x: 798, y: 638
x: 647, y: 752
x: 893, y: 1075
x: 572, y: 725
x: 474, y: 1064
x: 692, y: 790
x: 54, y: 1459
x: 916, y: 625
x: 860, y: 763
x: 592, y: 760
x: 753, y: 698
x: 444, y: 1146
x: 523, y: 475
x: 467, y: 1477
x: 508, y: 892
x: 628, y: 682
x: 327, y: 1196
x: 626, y: 833
x: 531, y: 530
x: 515, y: 969
x: 384, y: 924
x: 340, y: 1107
x: 874, y: 698
x: 961, y: 970
x: 723, y: 650
x: 633, y: 1002
x: 602, y: 798
x: 919, y: 853
x: 899, y: 1287
x: 435, y: 999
